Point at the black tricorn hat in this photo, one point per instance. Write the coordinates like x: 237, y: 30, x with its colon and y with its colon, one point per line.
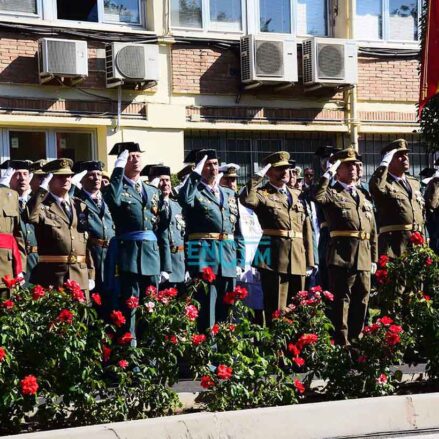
x: 158, y: 170
x: 20, y: 164
x: 427, y: 172
x: 118, y: 148
x: 191, y: 156
x: 146, y: 171
x: 292, y: 163
x: 326, y: 151
x: 211, y: 154
x: 92, y: 165
x: 185, y: 171
x: 5, y: 164
x: 76, y: 168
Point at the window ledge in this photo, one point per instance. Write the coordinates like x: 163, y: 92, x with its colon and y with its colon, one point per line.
x: 390, y: 45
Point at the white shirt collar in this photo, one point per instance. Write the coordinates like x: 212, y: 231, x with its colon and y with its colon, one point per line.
x: 132, y: 182
x: 59, y: 200
x: 347, y: 186
x: 214, y: 187
x: 97, y: 195
x: 398, y: 178
x: 279, y: 189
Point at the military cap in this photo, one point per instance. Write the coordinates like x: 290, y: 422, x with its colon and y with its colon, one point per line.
x: 146, y: 171
x: 92, y: 165
x: 118, y: 148
x: 185, y: 171
x: 230, y: 170
x: 76, y: 168
x: 37, y: 167
x: 326, y: 151
x: 292, y: 163
x: 427, y: 172
x: 277, y: 159
x: 5, y: 164
x: 399, y: 145
x: 59, y: 167
x: 191, y: 156
x: 158, y: 170
x: 211, y: 154
x: 345, y: 155
x: 20, y: 164
x: 298, y: 171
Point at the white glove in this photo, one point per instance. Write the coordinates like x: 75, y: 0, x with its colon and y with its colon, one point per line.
x: 309, y: 271
x: 388, y: 156
x: 200, y: 165
x: 6, y: 179
x: 155, y: 182
x: 91, y: 284
x: 218, y: 178
x: 187, y: 276
x: 373, y: 268
x: 76, y: 179
x: 164, y: 276
x: 330, y: 172
x: 21, y: 277
x: 238, y: 272
x: 45, y: 183
x: 264, y: 170
x: 256, y: 275
x: 122, y: 159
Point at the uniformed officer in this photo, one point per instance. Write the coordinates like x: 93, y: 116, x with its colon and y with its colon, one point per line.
x: 38, y: 175
x: 100, y: 223
x: 361, y: 184
x: 133, y: 260
x: 213, y: 235
x: 61, y: 224
x: 398, y: 200
x: 351, y: 253
x: 173, y: 227
x: 432, y: 208
x: 285, y: 250
x: 229, y: 178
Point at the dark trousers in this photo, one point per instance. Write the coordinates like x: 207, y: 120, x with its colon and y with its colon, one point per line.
x: 351, y: 290
x: 279, y: 289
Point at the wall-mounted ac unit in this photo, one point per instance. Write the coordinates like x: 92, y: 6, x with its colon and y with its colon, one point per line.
x: 329, y: 62
x: 62, y: 58
x: 131, y: 63
x: 266, y: 59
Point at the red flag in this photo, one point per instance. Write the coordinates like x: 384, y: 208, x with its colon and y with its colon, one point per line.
x: 430, y: 57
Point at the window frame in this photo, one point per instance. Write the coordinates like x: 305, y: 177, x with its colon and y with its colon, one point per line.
x: 39, y: 13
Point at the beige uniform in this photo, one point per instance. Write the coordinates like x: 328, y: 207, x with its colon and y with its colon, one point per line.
x: 399, y: 211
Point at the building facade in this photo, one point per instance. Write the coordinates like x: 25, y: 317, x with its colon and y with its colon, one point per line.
x: 197, y: 97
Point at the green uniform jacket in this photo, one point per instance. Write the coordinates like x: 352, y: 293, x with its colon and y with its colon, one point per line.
x: 432, y: 207
x: 343, y: 213
x: 10, y: 224
x: 100, y: 226
x: 132, y: 212
x: 395, y: 206
x: 205, y: 214
x: 57, y: 236
x: 279, y: 254
x: 30, y: 241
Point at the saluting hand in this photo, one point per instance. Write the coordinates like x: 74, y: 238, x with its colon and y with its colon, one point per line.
x: 76, y: 179
x: 330, y: 172
x: 6, y: 179
x: 122, y: 159
x: 264, y: 170
x: 45, y: 183
x: 388, y: 156
x: 200, y: 165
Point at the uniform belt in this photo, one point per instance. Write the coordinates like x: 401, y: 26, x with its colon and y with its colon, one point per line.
x: 66, y: 259
x: 400, y: 228
x: 177, y: 248
x: 323, y: 225
x: 99, y: 242
x: 283, y: 233
x: 350, y: 234
x: 31, y: 249
x: 217, y: 236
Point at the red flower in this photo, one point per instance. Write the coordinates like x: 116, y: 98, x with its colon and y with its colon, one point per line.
x: 191, y: 312
x: 240, y: 293
x: 417, y: 239
x: 383, y: 261
x: 386, y: 321
x: 173, y: 339
x: 232, y: 328
x: 78, y: 295
x: 166, y: 295
x: 123, y: 364
x: 293, y: 349
x: 307, y: 339
x: 299, y: 386
x: 426, y: 297
x: 316, y: 289
x: 392, y: 339
x: 207, y: 382
x: 229, y: 298
x: 117, y: 318
x: 208, y: 275
x: 29, y: 385
x: 132, y: 303
x: 151, y: 291
x: 10, y: 282
x: 2, y: 354
x: 395, y: 329
x: 299, y: 361
x: 96, y: 298
x: 302, y: 294
x: 197, y: 339
x: 215, y: 329
x: 276, y: 314
x: 106, y: 353
x: 224, y: 372
x: 328, y: 295
x: 371, y: 329
x: 381, y: 276
x: 382, y: 379
x: 362, y: 359
x: 428, y: 261
x: 65, y: 316
x: 38, y: 292
x: 8, y: 304
x: 125, y: 339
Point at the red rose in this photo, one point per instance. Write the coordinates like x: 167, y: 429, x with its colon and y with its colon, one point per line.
x: 328, y: 295
x: 123, y: 364
x: 307, y: 339
x: 132, y: 303
x: 428, y: 261
x: 383, y: 261
x: 96, y: 298
x: 207, y: 382
x: 10, y: 282
x: 106, y: 353
x: 215, y: 329
x: 29, y: 385
x: 362, y: 359
x: 229, y: 298
x: 276, y: 314
x: 382, y: 379
x: 299, y: 386
x: 417, y: 239
x: 65, y: 316
x: 197, y: 339
x: 151, y: 291
x: 302, y: 294
x: 386, y: 321
x: 173, y: 339
x: 292, y: 348
x: 426, y: 297
x: 392, y: 339
x: 191, y: 312
x: 316, y: 289
x: 38, y: 292
x: 8, y: 304
x: 395, y: 329
x: 2, y: 354
x: 240, y: 293
x: 125, y: 339
x: 371, y: 329
x: 381, y: 276
x: 224, y: 372
x: 232, y: 328
x: 78, y: 295
x: 208, y: 275
x: 299, y: 361
x: 117, y: 318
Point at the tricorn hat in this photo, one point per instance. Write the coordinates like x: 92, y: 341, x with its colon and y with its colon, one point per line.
x: 20, y: 164
x: 158, y: 170
x: 185, y: 171
x: 118, y: 148
x: 92, y: 165
x: 211, y: 154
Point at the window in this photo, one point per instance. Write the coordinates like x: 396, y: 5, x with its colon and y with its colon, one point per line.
x: 27, y: 145
x: 275, y: 16
x: 225, y: 14
x: 389, y: 20
x: 312, y: 17
x: 74, y: 145
x: 186, y: 13
x: 19, y: 6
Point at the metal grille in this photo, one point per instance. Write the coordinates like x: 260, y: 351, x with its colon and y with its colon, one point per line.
x: 61, y: 56
x: 307, y: 61
x: 130, y: 62
x: 245, y: 59
x: 269, y: 58
x: 330, y: 61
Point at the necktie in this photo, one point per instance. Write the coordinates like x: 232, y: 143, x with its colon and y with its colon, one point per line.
x: 98, y: 201
x: 353, y: 191
x: 407, y: 187
x: 22, y: 203
x: 67, y: 210
x: 216, y: 193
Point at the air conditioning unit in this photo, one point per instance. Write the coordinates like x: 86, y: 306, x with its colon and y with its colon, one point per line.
x: 329, y: 61
x: 62, y: 58
x: 266, y: 59
x: 131, y: 63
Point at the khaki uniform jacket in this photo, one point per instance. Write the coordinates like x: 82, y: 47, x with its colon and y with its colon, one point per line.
x: 432, y: 194
x: 279, y: 254
x: 343, y: 213
x: 58, y: 237
x: 395, y: 206
x: 10, y: 224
